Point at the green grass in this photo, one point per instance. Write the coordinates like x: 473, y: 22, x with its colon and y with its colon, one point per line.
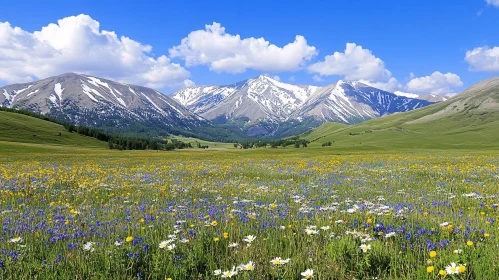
x: 194, y: 142
x: 58, y: 201
x: 324, y: 130
x: 468, y: 129
x: 20, y: 128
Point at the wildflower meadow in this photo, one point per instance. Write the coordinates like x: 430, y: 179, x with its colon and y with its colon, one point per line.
x: 267, y: 214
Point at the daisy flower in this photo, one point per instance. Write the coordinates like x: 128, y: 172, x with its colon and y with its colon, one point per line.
x: 365, y: 247
x: 249, y: 266
x: 279, y: 261
x: 229, y: 273
x: 452, y: 269
x: 307, y: 274
x: 249, y: 238
x: 15, y: 240
x: 89, y: 246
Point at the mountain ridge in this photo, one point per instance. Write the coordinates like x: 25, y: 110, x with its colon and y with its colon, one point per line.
x: 256, y: 107
x: 466, y: 120
x: 87, y: 100
x: 266, y: 101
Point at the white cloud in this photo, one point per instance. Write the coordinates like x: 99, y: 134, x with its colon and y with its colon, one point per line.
x: 493, y: 2
x: 483, y: 59
x: 356, y: 63
x: 317, y: 78
x: 277, y: 78
x: 224, y: 52
x: 406, y: 94
x: 189, y: 83
x: 391, y: 85
x: 360, y: 64
x: 436, y: 83
x: 76, y: 44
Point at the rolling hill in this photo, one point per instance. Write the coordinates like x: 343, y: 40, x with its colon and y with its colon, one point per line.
x: 15, y: 127
x: 469, y: 120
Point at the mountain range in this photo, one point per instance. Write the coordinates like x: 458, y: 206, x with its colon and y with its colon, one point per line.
x: 262, y: 104
x: 258, y: 106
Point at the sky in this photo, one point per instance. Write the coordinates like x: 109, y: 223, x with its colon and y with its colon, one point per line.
x: 439, y: 47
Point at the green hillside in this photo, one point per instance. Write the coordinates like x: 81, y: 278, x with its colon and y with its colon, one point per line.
x: 15, y: 127
x: 324, y: 130
x: 469, y: 120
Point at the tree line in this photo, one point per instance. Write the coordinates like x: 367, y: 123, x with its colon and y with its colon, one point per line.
x: 293, y: 141
x: 115, y: 141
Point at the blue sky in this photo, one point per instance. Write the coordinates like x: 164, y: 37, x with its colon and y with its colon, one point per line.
x: 409, y: 46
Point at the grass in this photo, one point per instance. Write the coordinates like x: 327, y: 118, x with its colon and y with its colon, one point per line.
x: 194, y: 142
x: 469, y: 129
x: 324, y: 130
x: 25, y: 129
x: 70, y: 207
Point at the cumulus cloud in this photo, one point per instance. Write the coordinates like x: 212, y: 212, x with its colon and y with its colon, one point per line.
x: 436, y: 83
x: 360, y: 64
x: 391, y: 85
x: 483, y: 59
x: 493, y: 2
x: 77, y: 44
x: 224, y: 52
x: 355, y: 63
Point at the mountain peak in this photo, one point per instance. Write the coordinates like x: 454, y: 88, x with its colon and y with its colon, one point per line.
x: 263, y: 78
x: 344, y: 82
x: 91, y: 101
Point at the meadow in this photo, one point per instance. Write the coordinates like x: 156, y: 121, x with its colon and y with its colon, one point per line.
x: 256, y: 214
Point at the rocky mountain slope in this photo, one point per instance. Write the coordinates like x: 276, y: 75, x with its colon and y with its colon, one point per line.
x: 262, y: 103
x: 354, y: 102
x: 91, y: 101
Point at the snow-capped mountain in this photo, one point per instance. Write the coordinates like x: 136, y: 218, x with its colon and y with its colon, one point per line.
x: 428, y: 97
x: 264, y: 99
x: 252, y: 107
x: 354, y: 102
x: 261, y: 98
x: 90, y: 101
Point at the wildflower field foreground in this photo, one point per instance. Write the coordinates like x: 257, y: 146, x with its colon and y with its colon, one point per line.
x: 266, y: 214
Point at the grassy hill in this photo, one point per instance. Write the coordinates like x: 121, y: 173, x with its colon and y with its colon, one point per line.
x: 469, y: 120
x: 324, y: 130
x: 15, y: 127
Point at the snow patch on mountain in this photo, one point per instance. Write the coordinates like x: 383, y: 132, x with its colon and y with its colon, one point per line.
x: 93, y: 101
x: 58, y: 90
x: 263, y: 99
